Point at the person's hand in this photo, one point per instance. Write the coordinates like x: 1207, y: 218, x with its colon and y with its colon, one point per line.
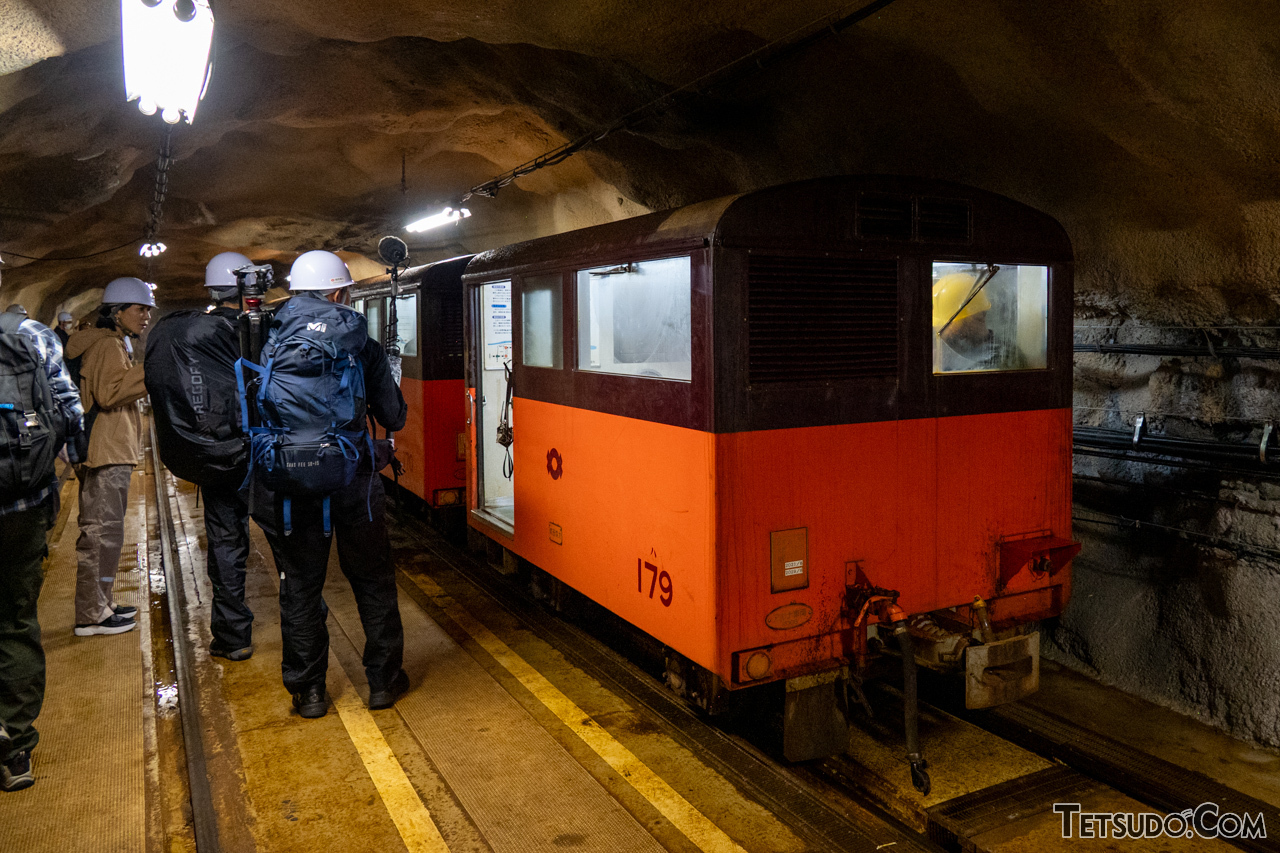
x: 78, y: 448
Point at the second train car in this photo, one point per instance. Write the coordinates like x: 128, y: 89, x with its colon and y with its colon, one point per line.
x: 432, y: 446
x: 774, y: 429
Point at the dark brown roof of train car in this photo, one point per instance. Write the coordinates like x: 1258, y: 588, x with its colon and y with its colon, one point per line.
x: 413, y: 277
x: 856, y: 213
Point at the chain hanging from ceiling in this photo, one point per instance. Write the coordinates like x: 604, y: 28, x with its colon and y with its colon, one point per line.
x: 155, y: 214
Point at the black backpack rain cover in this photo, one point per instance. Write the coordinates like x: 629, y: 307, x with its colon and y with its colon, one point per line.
x: 190, y: 375
x: 32, y: 426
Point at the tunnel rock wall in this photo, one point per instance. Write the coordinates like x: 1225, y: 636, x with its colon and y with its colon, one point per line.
x: 1177, y: 586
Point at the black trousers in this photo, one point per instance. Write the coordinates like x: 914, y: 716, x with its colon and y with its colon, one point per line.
x: 302, y: 557
x: 226, y: 529
x: 22, y: 667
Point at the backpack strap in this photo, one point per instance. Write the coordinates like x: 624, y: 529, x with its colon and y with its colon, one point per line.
x: 288, y: 515
x: 325, y: 512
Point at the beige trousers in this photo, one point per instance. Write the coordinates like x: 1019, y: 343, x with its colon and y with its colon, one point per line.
x: 104, y: 497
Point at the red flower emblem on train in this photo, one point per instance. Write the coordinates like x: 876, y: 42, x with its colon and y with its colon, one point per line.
x: 555, y: 464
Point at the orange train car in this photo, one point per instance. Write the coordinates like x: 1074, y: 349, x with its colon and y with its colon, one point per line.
x: 432, y: 446
x: 778, y: 430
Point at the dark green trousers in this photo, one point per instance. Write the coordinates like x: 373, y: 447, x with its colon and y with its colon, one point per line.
x: 23, y: 546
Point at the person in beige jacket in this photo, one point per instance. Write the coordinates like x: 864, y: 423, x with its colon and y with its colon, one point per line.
x: 110, y: 387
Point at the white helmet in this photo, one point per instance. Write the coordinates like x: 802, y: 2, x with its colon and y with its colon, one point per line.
x: 65, y: 317
x: 15, y: 308
x: 221, y: 271
x: 318, y: 270
x: 129, y: 291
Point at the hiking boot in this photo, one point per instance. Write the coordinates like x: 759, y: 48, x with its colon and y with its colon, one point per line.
x: 231, y: 654
x: 15, y: 772
x: 124, y: 611
x: 387, y: 697
x: 312, y: 702
x: 113, y: 624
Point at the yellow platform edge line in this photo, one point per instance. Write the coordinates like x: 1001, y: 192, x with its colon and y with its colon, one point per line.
x: 682, y: 814
x: 409, y: 814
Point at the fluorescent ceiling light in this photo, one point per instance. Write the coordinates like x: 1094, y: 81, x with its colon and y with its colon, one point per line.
x: 444, y: 217
x: 152, y: 250
x: 166, y: 55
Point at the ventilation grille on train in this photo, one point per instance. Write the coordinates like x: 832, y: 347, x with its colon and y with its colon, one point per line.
x: 821, y: 319
x: 451, y: 338
x: 886, y: 216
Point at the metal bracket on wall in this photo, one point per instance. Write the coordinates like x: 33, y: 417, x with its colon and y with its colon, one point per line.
x: 1266, y: 436
x: 1137, y: 427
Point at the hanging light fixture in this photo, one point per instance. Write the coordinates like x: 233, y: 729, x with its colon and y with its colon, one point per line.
x: 152, y: 250
x: 444, y: 217
x: 166, y: 55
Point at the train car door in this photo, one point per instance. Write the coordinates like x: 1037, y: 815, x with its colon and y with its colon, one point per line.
x: 495, y: 476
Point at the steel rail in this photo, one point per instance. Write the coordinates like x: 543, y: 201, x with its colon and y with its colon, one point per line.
x: 203, y: 816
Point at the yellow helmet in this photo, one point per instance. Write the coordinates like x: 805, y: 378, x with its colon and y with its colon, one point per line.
x: 951, y: 291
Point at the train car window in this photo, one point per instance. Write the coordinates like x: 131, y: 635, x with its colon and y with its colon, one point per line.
x: 407, y: 324
x: 358, y: 304
x: 540, y: 301
x: 374, y: 314
x: 634, y: 320
x: 989, y: 317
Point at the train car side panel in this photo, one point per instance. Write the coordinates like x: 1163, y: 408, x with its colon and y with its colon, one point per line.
x: 444, y: 420
x: 410, y: 441
x: 623, y: 511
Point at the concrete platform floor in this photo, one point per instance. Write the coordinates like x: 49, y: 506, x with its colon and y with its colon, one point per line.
x: 96, y: 727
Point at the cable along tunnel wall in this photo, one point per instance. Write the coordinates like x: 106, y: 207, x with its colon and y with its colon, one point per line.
x: 1177, y: 589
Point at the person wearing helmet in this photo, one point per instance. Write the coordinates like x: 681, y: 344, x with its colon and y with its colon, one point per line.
x: 110, y: 387
x: 225, y: 511
x: 962, y: 339
x: 298, y: 527
x: 66, y: 323
x: 28, y: 508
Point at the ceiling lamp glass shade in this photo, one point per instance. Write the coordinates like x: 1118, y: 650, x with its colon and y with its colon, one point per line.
x: 166, y: 55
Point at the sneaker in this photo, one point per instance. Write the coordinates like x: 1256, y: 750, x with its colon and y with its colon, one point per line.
x: 5, y: 741
x: 312, y: 702
x: 125, y: 611
x: 231, y: 654
x: 113, y: 624
x: 386, y: 698
x: 15, y: 772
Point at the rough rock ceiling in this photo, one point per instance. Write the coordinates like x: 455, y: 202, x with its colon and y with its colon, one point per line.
x: 1147, y: 127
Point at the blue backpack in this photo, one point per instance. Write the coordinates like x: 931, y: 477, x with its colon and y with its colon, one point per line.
x: 311, y: 403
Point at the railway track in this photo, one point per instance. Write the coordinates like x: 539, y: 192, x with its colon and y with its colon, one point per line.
x: 832, y: 803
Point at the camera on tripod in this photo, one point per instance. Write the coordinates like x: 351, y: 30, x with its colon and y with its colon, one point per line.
x: 254, y: 280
